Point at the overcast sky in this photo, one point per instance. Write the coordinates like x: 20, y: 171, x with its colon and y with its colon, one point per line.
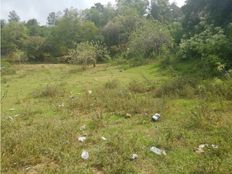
x: 39, y: 9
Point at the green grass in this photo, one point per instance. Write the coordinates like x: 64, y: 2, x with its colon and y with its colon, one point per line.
x: 51, y: 102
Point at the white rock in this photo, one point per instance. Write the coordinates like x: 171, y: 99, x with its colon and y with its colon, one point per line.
x: 90, y: 92
x: 82, y: 139
x: 85, y: 155
x: 157, y: 151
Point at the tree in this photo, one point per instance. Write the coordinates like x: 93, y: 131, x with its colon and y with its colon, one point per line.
x: 65, y: 34
x: 151, y: 39
x: 84, y: 54
x: 117, y: 31
x: 132, y: 7
x: 14, y: 35
x: 160, y: 10
x: 99, y: 14
x: 33, y: 27
x: 3, y: 23
x: 52, y: 18
x: 13, y: 17
x: 35, y: 48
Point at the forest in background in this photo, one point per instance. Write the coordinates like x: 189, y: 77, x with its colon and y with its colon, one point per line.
x: 131, y: 31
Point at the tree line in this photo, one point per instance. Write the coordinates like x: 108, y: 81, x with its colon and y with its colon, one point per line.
x: 201, y: 30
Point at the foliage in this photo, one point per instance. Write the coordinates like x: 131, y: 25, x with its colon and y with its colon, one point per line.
x: 34, y: 48
x: 117, y: 31
x: 151, y: 39
x: 6, y: 68
x: 84, y: 53
x: 13, y: 17
x: 99, y: 14
x: 210, y: 47
x: 17, y: 56
x: 14, y: 35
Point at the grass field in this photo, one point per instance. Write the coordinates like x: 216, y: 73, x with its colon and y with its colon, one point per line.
x: 45, y: 108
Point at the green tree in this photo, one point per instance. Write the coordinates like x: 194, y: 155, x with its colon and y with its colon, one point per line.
x: 132, y: 7
x: 13, y: 17
x: 84, y: 54
x: 150, y: 39
x: 14, y: 35
x: 33, y: 27
x: 99, y: 14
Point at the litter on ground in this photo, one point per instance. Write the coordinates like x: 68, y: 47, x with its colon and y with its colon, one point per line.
x: 155, y: 117
x: 134, y: 156
x: 81, y: 139
x: 201, y: 147
x: 157, y: 151
x: 84, y: 155
x: 83, y: 127
x: 103, y: 138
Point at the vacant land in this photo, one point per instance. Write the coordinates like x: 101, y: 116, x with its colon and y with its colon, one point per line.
x: 46, y: 107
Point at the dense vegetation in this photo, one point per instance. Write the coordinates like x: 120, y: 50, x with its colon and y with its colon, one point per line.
x: 135, y: 29
x: 103, y: 72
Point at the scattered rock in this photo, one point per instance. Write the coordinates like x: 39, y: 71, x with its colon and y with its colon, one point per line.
x: 81, y: 139
x: 155, y: 117
x: 134, y: 156
x: 157, y: 151
x: 85, y: 155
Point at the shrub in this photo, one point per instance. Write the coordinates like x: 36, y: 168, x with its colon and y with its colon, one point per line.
x: 50, y: 90
x: 209, y: 46
x: 6, y: 68
x: 87, y: 53
x: 17, y: 56
x: 151, y: 39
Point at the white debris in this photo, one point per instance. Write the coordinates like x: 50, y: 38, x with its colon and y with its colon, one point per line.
x: 128, y: 115
x: 201, y: 147
x: 157, y: 151
x: 156, y: 117
x: 81, y: 139
x: 17, y: 115
x: 85, y: 155
x: 11, y: 118
x: 12, y: 109
x: 134, y: 156
x: 90, y: 92
x: 214, y: 146
x: 61, y: 105
x: 83, y: 127
x: 103, y: 138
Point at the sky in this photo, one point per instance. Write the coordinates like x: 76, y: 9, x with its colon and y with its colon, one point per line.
x: 39, y: 9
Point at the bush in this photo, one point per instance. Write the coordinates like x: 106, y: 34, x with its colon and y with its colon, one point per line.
x: 210, y: 47
x: 17, y: 56
x: 6, y: 68
x: 151, y: 39
x: 50, y: 90
x: 87, y: 53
